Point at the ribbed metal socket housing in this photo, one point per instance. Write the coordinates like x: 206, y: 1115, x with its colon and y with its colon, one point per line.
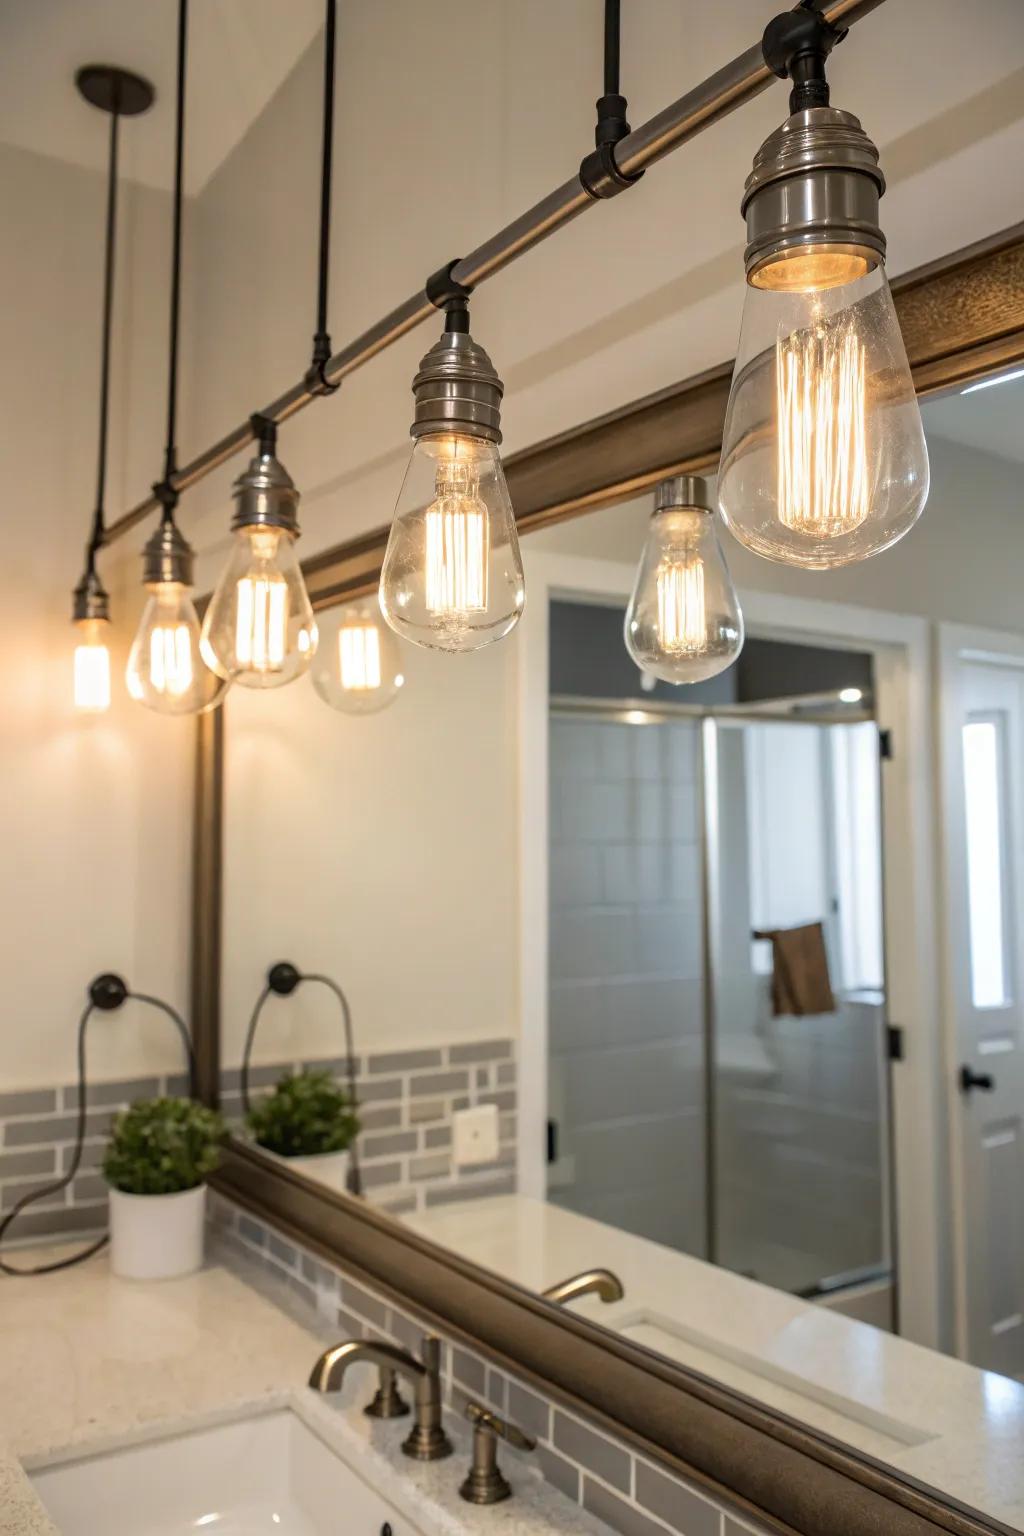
x: 167, y: 556
x: 816, y: 181
x: 90, y: 599
x: 266, y: 497
x: 683, y: 491
x: 457, y: 389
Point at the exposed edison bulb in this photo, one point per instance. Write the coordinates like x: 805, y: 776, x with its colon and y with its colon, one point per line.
x: 823, y: 457
x: 358, y: 667
x: 166, y: 670
x: 259, y: 629
x: 453, y: 576
x: 92, y: 666
x: 683, y: 623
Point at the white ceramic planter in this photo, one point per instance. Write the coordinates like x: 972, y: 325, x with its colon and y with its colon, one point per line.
x: 330, y: 1168
x: 156, y: 1237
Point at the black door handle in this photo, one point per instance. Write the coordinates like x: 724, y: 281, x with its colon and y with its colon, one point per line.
x: 970, y: 1079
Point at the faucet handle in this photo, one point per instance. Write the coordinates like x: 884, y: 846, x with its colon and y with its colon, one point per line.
x: 485, y: 1483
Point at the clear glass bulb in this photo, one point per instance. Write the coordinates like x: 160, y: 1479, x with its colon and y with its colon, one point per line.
x: 92, y: 666
x: 683, y: 623
x: 453, y: 575
x: 358, y: 666
x: 165, y: 670
x: 259, y: 629
x: 823, y: 458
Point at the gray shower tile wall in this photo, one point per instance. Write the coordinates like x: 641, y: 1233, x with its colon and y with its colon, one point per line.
x: 407, y: 1103
x: 631, y: 1493
x: 626, y: 977
x: 37, y: 1135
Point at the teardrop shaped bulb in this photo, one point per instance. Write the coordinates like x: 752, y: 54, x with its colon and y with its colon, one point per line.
x: 165, y: 670
x: 683, y: 623
x: 824, y: 459
x: 259, y: 629
x: 452, y: 578
x: 358, y: 666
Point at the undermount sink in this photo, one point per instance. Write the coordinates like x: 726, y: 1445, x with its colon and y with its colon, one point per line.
x: 269, y: 1474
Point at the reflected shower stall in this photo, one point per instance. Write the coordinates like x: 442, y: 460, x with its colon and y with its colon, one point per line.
x: 717, y: 1073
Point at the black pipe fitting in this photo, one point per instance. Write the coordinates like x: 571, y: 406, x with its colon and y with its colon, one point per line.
x: 441, y: 288
x: 601, y: 177
x: 795, y: 47
x: 264, y: 430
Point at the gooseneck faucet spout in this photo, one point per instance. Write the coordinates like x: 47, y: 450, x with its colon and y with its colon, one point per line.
x: 427, y: 1440
x: 602, y: 1283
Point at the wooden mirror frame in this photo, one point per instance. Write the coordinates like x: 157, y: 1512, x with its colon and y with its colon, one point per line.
x: 962, y: 317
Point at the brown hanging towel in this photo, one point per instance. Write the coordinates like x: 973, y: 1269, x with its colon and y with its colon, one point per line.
x: 800, y: 979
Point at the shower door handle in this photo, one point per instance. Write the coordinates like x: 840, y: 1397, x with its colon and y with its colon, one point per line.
x: 970, y: 1079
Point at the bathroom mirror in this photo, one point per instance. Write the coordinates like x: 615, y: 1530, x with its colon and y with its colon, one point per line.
x: 641, y: 976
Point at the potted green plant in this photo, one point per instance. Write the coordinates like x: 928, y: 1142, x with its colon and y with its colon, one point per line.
x: 159, y: 1155
x: 309, y: 1120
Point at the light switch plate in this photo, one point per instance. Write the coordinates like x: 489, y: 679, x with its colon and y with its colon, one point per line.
x: 475, y: 1135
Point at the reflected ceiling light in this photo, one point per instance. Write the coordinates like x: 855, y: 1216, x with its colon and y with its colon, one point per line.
x: 850, y: 695
x: 120, y: 94
x: 823, y: 456
x: 259, y: 628
x: 452, y: 578
x: 165, y: 670
x: 683, y: 623
x: 1003, y: 378
x: 357, y: 669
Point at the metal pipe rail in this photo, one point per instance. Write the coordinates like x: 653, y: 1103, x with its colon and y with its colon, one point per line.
x: 717, y: 96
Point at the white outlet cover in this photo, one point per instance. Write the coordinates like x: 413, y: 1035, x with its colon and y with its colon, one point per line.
x: 475, y: 1135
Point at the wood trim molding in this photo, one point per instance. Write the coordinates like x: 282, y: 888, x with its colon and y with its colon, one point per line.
x: 962, y: 317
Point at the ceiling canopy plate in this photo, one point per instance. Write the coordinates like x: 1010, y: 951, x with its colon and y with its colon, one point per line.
x: 114, y: 90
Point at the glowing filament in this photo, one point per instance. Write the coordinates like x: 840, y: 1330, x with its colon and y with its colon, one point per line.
x: 682, y: 620
x: 92, y: 672
x: 822, y: 454
x: 359, y: 657
x: 261, y: 625
x: 458, y: 543
x: 170, y: 659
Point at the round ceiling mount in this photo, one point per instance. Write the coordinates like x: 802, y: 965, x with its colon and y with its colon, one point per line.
x: 114, y: 90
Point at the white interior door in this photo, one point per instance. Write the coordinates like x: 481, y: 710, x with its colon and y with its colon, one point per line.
x: 983, y: 696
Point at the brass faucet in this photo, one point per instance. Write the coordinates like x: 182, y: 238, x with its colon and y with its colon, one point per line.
x: 426, y: 1440
x: 592, y: 1282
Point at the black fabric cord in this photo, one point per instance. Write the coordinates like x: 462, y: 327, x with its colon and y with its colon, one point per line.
x: 76, y: 1156
x: 355, y: 1178
x: 612, y: 34
x: 108, y: 315
x: 171, y: 449
x: 316, y: 380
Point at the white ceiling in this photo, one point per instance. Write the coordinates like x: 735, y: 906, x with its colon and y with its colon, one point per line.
x: 991, y: 420
x: 240, y: 51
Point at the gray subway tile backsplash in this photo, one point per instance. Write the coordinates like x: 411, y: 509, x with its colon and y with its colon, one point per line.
x: 31, y: 1101
x: 405, y: 1061
x: 439, y: 1082
x: 480, y: 1050
x: 592, y: 1451
x: 590, y: 1466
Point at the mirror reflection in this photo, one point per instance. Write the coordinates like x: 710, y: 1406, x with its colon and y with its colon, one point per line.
x: 641, y: 972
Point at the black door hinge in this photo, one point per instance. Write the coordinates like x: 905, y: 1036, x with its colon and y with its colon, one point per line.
x: 552, y: 1141
x: 885, y: 750
x: 894, y: 1042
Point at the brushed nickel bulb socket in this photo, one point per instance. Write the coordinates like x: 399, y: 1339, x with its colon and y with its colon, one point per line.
x: 457, y: 389
x: 90, y: 599
x: 266, y: 497
x: 815, y: 182
x: 168, y: 557
x: 683, y: 491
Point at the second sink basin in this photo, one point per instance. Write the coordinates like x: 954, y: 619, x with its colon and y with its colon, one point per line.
x: 269, y: 1474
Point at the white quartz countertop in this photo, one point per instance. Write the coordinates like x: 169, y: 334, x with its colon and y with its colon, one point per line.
x: 89, y: 1363
x: 944, y: 1423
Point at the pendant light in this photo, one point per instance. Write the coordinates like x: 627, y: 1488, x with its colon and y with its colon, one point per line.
x: 358, y: 665
x: 683, y: 623
x: 165, y: 670
x: 259, y: 629
x: 452, y: 578
x: 823, y: 457
x: 121, y: 94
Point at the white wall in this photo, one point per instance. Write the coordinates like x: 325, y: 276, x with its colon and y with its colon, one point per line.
x: 95, y: 813
x: 380, y: 850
